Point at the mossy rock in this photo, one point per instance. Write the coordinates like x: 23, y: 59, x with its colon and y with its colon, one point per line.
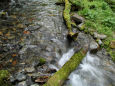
x: 42, y: 61
x: 112, y: 44
x: 4, y: 74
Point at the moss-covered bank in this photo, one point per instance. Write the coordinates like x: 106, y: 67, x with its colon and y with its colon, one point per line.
x: 4, y: 74
x: 60, y: 76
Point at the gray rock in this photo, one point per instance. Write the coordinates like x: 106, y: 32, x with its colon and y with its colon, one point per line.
x: 12, y: 79
x: 30, y: 69
x: 93, y: 46
x: 100, y: 42
x: 100, y: 36
x: 35, y: 85
x: 22, y: 83
x: 78, y: 19
x: 20, y: 77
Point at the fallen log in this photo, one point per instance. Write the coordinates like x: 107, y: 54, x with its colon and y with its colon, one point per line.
x: 60, y: 76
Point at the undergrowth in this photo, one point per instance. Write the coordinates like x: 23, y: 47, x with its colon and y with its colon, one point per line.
x: 100, y: 17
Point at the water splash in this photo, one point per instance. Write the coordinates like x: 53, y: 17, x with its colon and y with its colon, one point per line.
x: 90, y: 73
x: 65, y: 57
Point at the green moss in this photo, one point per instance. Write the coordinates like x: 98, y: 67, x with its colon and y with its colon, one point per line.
x: 60, y: 76
x: 66, y: 14
x: 4, y: 74
x: 42, y: 61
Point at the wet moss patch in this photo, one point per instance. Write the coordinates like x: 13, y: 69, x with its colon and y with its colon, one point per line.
x: 4, y: 74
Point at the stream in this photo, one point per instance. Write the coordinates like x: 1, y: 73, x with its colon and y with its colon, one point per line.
x: 93, y: 71
x: 34, y: 29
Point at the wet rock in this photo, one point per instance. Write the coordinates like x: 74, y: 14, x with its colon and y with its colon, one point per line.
x: 93, y: 46
x: 33, y: 28
x: 30, y: 69
x: 29, y: 80
x: 35, y: 85
x: 42, y: 79
x: 112, y: 44
x: 12, y: 79
x: 22, y: 83
x: 20, y: 77
x: 48, y: 49
x: 51, y: 71
x: 100, y: 36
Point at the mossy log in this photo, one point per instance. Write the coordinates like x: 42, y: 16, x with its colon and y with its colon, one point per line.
x: 66, y: 14
x: 60, y: 76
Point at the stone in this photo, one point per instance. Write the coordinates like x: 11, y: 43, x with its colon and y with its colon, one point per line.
x: 20, y: 77
x: 51, y: 71
x: 22, y: 83
x: 100, y: 36
x: 100, y: 42
x: 78, y: 19
x: 94, y: 46
x: 34, y: 85
x: 30, y: 69
x: 42, y: 79
x: 112, y: 44
x: 12, y: 79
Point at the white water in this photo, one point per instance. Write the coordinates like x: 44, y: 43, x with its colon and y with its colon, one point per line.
x: 90, y: 73
x: 65, y: 57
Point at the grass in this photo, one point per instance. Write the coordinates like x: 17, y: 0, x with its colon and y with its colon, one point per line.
x: 99, y: 17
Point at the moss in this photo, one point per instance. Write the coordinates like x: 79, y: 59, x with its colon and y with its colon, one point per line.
x: 4, y: 74
x: 42, y: 61
x: 60, y: 76
x: 66, y: 14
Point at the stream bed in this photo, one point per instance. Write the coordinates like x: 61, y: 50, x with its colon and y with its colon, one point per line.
x: 34, y: 29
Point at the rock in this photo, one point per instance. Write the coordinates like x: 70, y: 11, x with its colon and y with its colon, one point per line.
x: 112, y: 44
x: 12, y: 79
x: 20, y: 77
x: 34, y: 85
x: 42, y: 61
x: 42, y: 79
x: 51, y: 71
x: 100, y: 36
x: 48, y: 49
x: 93, y: 46
x: 30, y: 69
x: 22, y: 83
x: 100, y: 42
x: 78, y: 19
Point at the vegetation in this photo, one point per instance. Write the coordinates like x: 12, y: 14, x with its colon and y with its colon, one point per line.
x: 4, y: 74
x: 99, y: 17
x: 60, y: 76
x: 42, y: 61
x: 67, y: 14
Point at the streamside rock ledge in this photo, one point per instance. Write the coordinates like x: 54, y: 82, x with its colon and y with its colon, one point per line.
x: 60, y: 76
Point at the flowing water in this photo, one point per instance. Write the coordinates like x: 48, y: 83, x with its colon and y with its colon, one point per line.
x: 93, y: 71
